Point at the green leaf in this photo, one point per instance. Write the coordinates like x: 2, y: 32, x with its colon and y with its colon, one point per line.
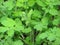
x: 40, y: 27
x: 22, y: 0
x: 18, y: 21
x: 8, y: 41
x: 18, y: 4
x: 51, y: 37
x: 1, y: 43
x: 56, y: 42
x: 8, y: 22
x: 18, y: 25
x: 1, y: 1
x: 31, y: 3
x: 34, y: 22
x: 41, y: 36
x: 3, y: 29
x: 17, y: 13
x: 40, y: 3
x: 19, y: 28
x: 30, y: 13
x: 18, y: 42
x: 9, y: 5
x: 26, y: 30
x: 56, y: 21
x: 1, y: 36
x: 22, y: 3
x: 44, y: 21
x: 10, y: 33
x: 36, y: 14
x: 53, y: 11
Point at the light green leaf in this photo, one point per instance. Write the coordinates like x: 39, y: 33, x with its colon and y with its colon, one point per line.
x: 36, y: 14
x: 18, y: 4
x: 9, y: 5
x: 30, y: 13
x: 8, y: 22
x: 19, y: 28
x: 51, y: 37
x: 18, y: 42
x: 21, y: 3
x: 44, y: 21
x: 40, y: 3
x: 40, y: 27
x: 56, y: 21
x: 53, y: 11
x: 1, y: 1
x: 17, y: 13
x: 10, y: 33
x: 41, y: 36
x: 1, y: 43
x: 3, y: 29
x: 18, y: 25
x: 26, y: 30
x: 31, y: 2
x: 56, y: 42
x: 8, y: 41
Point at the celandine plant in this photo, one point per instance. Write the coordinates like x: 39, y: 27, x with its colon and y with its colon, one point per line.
x: 29, y: 22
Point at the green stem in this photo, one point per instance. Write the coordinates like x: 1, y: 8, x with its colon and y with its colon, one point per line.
x: 24, y: 41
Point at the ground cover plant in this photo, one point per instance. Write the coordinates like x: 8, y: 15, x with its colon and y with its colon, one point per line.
x: 29, y: 22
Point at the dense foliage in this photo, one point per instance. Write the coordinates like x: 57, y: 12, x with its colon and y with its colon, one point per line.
x: 29, y: 22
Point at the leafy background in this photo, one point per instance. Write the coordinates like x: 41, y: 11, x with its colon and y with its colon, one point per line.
x: 29, y: 22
